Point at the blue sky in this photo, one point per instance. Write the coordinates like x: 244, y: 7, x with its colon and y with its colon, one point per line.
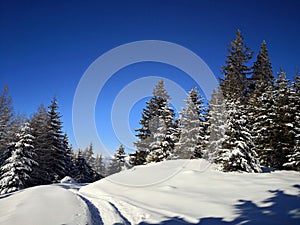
x: 46, y: 46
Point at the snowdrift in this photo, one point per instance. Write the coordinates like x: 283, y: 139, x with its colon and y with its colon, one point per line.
x: 43, y: 205
x: 193, y: 191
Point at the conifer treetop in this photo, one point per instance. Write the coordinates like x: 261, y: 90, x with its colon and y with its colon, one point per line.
x: 160, y: 91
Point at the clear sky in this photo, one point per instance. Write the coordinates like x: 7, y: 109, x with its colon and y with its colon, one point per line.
x: 46, y: 46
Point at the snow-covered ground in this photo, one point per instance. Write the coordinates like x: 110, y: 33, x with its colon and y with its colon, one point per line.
x: 172, y: 192
x: 50, y: 204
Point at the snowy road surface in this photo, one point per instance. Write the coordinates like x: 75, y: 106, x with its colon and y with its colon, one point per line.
x: 173, y: 192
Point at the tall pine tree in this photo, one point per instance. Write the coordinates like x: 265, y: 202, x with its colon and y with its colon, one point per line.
x: 43, y: 155
x: 57, y: 166
x: 293, y: 158
x: 261, y: 107
x: 157, y: 110
x: 284, y: 130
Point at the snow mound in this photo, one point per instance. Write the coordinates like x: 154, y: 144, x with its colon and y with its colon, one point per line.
x: 67, y: 180
x: 190, y: 191
x: 47, y: 205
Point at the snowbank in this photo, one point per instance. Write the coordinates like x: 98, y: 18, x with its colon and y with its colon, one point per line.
x: 43, y: 205
x: 189, y: 191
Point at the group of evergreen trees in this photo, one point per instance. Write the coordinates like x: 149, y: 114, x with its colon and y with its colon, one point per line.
x: 162, y: 136
x: 252, y: 120
x: 35, y: 151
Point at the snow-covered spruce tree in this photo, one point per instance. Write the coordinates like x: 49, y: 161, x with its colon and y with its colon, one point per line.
x: 158, y: 108
x: 284, y: 134
x: 261, y: 108
x: 237, y: 152
x: 273, y: 128
x: 117, y: 163
x: 217, y: 117
x: 57, y: 166
x: 294, y: 157
x: 235, y: 84
x: 263, y: 127
x: 193, y: 138
x: 17, y: 169
x: 39, y: 129
x: 6, y: 124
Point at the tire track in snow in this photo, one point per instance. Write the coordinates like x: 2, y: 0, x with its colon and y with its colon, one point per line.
x: 125, y: 220
x: 94, y: 212
x: 111, y: 214
x: 95, y: 215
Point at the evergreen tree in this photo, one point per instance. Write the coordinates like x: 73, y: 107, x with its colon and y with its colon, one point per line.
x: 217, y: 117
x: 262, y: 75
x: 263, y: 126
x: 261, y: 109
x: 235, y: 84
x: 16, y: 171
x: 43, y: 155
x: 273, y: 118
x: 138, y: 157
x: 117, y: 163
x: 99, y: 166
x: 82, y: 171
x: 193, y: 139
x: 283, y: 130
x: 68, y: 155
x: 293, y: 158
x: 157, y: 109
x: 144, y: 134
x: 120, y: 155
x: 57, y: 167
x: 88, y: 154
x: 6, y: 124
x: 237, y: 152
x: 158, y: 144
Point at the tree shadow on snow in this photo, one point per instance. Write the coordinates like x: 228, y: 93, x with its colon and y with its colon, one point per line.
x: 279, y: 209
x: 9, y: 194
x: 6, y: 195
